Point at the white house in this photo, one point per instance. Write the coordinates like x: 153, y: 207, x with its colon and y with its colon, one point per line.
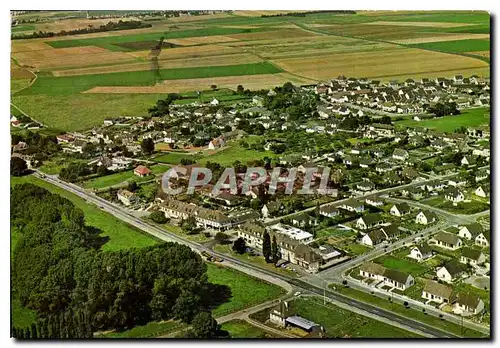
x: 328, y: 211
x: 126, y: 197
x: 447, y: 240
x: 483, y: 239
x: 420, y: 252
x: 437, y: 292
x: 400, y: 209
x: 483, y: 191
x: 470, y: 231
x: 400, y: 154
x: 472, y: 257
x: 449, y: 271
x: 468, y: 303
x: 425, y: 218
x: 454, y: 195
x: 369, y: 221
x: 373, y: 238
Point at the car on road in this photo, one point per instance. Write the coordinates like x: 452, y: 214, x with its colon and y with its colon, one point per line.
x: 297, y: 293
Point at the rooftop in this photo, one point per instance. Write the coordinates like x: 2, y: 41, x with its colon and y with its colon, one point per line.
x: 291, y: 232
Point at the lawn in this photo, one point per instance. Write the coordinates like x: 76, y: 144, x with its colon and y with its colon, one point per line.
x: 458, y: 46
x: 357, y: 249
x: 392, y: 262
x: 468, y: 118
x: 121, y: 235
x: 66, y: 85
x: 472, y: 207
x: 174, y: 157
x: 119, y: 178
x: 113, y: 42
x: 413, y: 314
x: 334, y: 232
x: 152, y: 329
x: 341, y: 323
x: 54, y: 165
x: 242, y: 329
x: 235, y: 152
x: 246, y: 291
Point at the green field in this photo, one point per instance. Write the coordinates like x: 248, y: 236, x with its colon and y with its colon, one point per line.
x: 392, y: 262
x: 235, y: 152
x: 23, y: 27
x: 413, y: 314
x: 150, y: 330
x: 242, y: 329
x: 467, y: 118
x: 67, y: 85
x: 174, y: 157
x: 83, y: 111
x: 341, y: 323
x: 357, y: 249
x: 112, y: 42
x: 246, y: 291
x: 334, y: 232
x: 119, y: 178
x: 121, y: 235
x: 458, y: 46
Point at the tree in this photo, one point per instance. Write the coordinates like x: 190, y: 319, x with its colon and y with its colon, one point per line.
x: 386, y: 120
x: 240, y: 89
x: 344, y: 282
x: 274, y: 250
x: 147, y: 146
x: 239, y: 246
x: 221, y: 237
x: 405, y: 304
x: 158, y: 217
x: 189, y: 225
x: 132, y: 186
x: 266, y: 247
x: 18, y: 166
x: 213, y: 87
x: 204, y: 326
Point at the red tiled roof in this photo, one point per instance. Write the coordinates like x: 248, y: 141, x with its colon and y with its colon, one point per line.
x: 142, y: 170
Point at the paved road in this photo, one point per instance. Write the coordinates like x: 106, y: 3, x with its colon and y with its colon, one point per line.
x: 278, y: 279
x: 459, y: 219
x: 378, y: 192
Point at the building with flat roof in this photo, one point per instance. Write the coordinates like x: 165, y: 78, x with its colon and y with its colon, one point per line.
x: 293, y: 233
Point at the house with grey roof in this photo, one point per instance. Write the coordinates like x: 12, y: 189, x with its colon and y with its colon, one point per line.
x: 450, y: 271
x: 421, y: 252
x: 447, y: 240
x: 470, y: 231
x: 437, y: 292
x: 468, y: 303
x: 472, y: 257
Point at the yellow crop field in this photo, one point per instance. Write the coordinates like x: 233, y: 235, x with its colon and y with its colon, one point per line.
x: 69, y: 57
x: 442, y: 37
x: 187, y: 85
x: 188, y: 52
x: 378, y: 64
x: 232, y: 59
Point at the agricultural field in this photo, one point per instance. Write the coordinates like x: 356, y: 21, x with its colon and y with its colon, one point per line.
x: 123, y: 177
x: 468, y: 118
x: 458, y: 46
x: 92, y: 76
x: 341, y: 323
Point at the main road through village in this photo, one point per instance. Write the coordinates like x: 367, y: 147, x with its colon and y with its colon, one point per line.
x: 313, y: 284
